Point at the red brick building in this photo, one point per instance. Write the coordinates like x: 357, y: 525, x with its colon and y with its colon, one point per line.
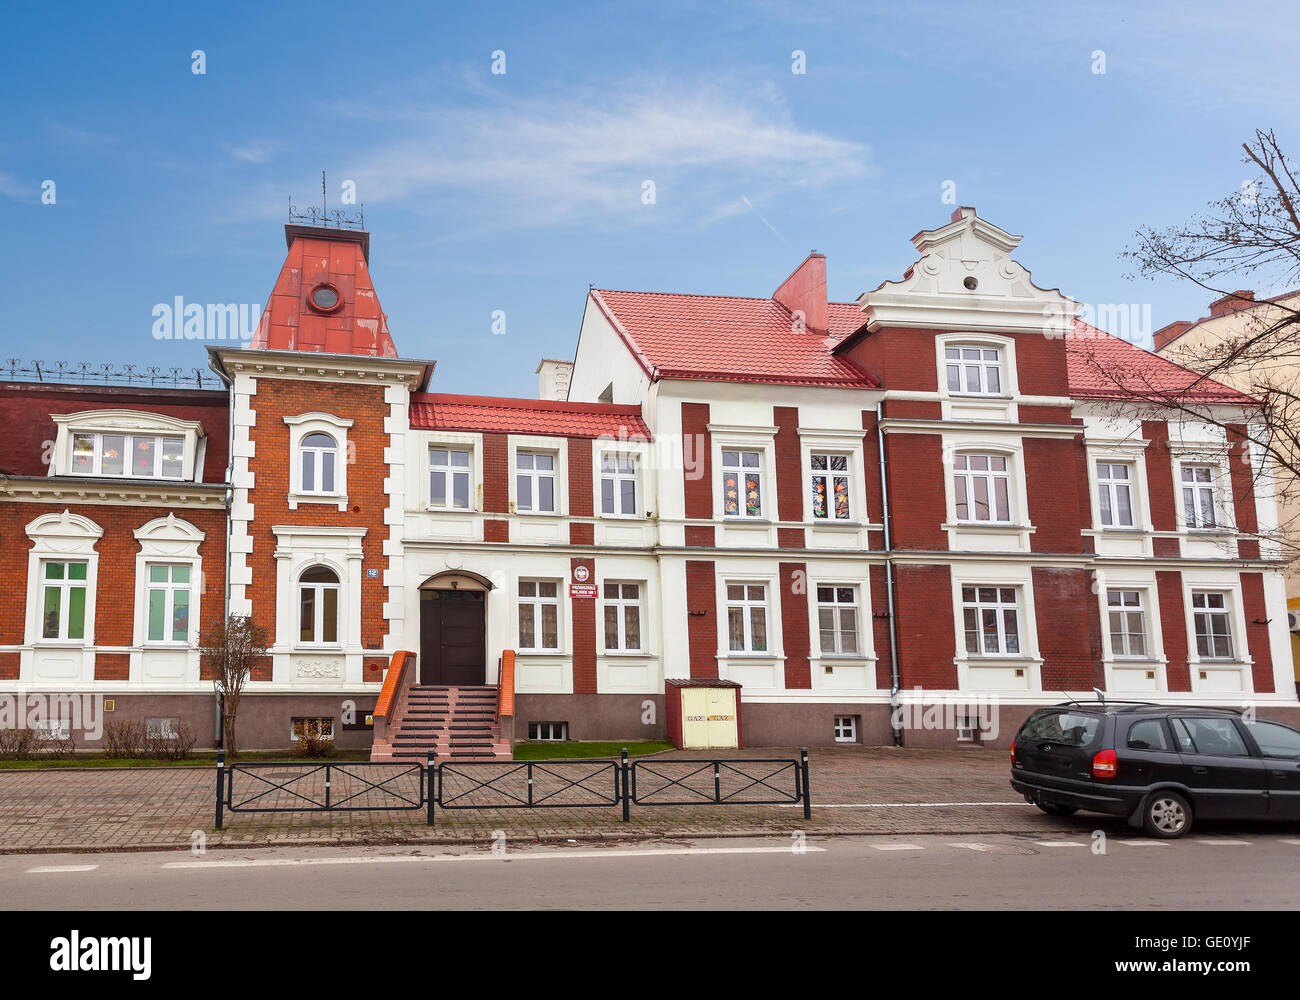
x: 926, y: 499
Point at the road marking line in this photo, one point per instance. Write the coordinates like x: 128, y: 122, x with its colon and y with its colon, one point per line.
x: 1058, y: 843
x: 1221, y: 842
x: 51, y: 869
x: 1295, y: 842
x: 898, y: 847
x: 898, y: 805
x: 1139, y: 843
x: 394, y: 859
x: 974, y: 847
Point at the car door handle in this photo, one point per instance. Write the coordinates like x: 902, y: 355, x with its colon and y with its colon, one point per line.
x: 1197, y: 769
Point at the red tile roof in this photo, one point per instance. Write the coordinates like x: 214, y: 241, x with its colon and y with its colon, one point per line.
x: 438, y: 411
x: 729, y: 339
x: 1102, y: 366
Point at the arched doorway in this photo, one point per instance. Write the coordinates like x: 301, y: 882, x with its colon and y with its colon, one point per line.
x: 453, y: 629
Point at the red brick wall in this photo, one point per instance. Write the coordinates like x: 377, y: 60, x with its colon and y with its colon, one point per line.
x: 1173, y: 627
x: 789, y: 475
x: 1252, y: 596
x: 1069, y: 629
x: 496, y: 474
x: 1160, y: 477
x: 871, y: 474
x: 367, y: 500
x: 917, y: 501
x: 581, y: 487
x: 1054, y: 468
x: 926, y: 647
x: 697, y: 444
x: 879, y: 625
x: 1242, y: 478
x: 702, y: 618
x: 583, y: 610
x: 116, y: 582
x: 794, y: 624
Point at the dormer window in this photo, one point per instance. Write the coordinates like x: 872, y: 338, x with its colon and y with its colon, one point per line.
x: 126, y: 444
x: 974, y: 371
x: 139, y: 456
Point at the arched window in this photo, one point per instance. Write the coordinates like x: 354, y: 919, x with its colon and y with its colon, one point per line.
x: 319, y: 457
x: 318, y: 606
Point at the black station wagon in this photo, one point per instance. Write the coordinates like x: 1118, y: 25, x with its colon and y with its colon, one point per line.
x: 1161, y: 766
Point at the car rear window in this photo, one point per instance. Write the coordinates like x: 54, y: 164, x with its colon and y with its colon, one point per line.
x: 1073, y: 729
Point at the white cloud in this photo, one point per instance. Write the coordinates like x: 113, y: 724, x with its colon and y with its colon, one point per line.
x: 551, y: 159
x: 252, y: 152
x: 11, y: 187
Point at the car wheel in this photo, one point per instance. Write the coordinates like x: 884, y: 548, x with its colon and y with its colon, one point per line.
x: 1053, y: 810
x: 1166, y: 814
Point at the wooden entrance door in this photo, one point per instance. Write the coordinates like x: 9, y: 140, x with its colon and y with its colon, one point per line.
x: 453, y: 633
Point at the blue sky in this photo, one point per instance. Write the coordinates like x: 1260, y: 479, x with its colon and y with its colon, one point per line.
x: 513, y: 192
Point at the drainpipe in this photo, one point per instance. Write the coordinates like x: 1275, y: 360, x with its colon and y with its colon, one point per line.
x: 895, y: 684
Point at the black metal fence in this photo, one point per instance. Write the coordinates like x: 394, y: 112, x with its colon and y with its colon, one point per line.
x: 542, y: 784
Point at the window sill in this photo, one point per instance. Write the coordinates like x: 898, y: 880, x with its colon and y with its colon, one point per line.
x: 430, y: 509
x: 741, y: 519
x: 1001, y: 527
x: 338, y: 500
x: 301, y: 648
x: 540, y: 652
x: 628, y: 654
x: 556, y: 515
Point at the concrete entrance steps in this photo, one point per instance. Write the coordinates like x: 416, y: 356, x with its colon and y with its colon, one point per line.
x: 456, y: 723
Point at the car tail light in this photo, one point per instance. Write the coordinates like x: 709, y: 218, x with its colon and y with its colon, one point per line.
x: 1013, y: 751
x: 1104, y: 765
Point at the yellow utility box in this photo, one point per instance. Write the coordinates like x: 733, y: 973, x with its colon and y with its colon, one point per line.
x: 703, y: 713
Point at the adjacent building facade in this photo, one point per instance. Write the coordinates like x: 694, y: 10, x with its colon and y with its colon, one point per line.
x: 853, y: 510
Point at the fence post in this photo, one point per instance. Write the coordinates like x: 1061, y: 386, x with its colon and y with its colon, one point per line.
x: 627, y: 790
x: 807, y: 793
x: 327, y: 787
x: 430, y: 778
x: 221, y: 778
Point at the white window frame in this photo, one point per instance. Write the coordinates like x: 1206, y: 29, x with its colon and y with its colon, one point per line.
x: 1228, y: 611
x: 846, y: 733
x: 836, y: 607
x: 982, y: 364
x: 128, y: 424
x: 828, y: 476
x: 65, y: 585
x: 537, y: 602
x: 174, y: 542
x: 319, y: 588
x: 315, y: 483
x: 759, y: 469
x: 451, y: 470
x: 63, y: 537
x: 1198, y: 491
x: 303, y: 425
x: 169, y: 589
x: 1109, y: 489
x: 1000, y: 606
x: 747, y: 605
x: 129, y: 440
x: 1127, y: 611
x: 968, y: 478
x: 550, y: 729
x: 620, y: 604
x: 617, y: 478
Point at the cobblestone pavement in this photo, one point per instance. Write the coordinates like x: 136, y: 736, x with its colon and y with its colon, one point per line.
x: 855, y: 790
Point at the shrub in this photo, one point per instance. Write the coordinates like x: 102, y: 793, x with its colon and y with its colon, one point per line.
x: 313, y: 742
x: 17, y: 744
x: 123, y: 739
x: 170, y: 746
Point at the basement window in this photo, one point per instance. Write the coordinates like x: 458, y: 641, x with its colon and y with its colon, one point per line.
x: 846, y: 729
x: 548, y: 732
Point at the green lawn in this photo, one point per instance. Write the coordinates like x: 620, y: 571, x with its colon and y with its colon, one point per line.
x: 565, y: 751
x: 199, y: 758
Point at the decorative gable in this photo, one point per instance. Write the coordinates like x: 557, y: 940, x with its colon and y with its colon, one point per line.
x: 966, y: 280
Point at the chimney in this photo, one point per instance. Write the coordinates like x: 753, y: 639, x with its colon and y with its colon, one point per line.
x: 804, y: 293
x: 1166, y: 335
x: 1240, y: 299
x: 553, y: 379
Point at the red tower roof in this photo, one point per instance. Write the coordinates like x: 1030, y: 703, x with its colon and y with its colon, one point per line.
x: 324, y: 299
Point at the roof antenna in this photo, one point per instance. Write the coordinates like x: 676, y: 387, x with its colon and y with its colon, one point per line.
x: 1069, y: 699
x: 1101, y: 695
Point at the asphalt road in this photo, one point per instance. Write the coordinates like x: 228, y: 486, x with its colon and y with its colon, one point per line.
x: 1252, y: 871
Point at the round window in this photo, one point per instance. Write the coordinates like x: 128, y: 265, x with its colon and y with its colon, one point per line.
x: 324, y: 297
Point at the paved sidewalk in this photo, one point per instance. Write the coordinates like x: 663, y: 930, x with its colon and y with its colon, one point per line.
x: 855, y: 790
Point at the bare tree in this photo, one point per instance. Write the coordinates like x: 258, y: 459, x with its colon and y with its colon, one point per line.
x: 1250, y: 237
x: 229, y: 650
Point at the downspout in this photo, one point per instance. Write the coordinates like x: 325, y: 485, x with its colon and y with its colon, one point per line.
x: 895, y: 683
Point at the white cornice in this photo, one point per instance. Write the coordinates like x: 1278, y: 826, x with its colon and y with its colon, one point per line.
x: 897, y: 425
x: 123, y: 492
